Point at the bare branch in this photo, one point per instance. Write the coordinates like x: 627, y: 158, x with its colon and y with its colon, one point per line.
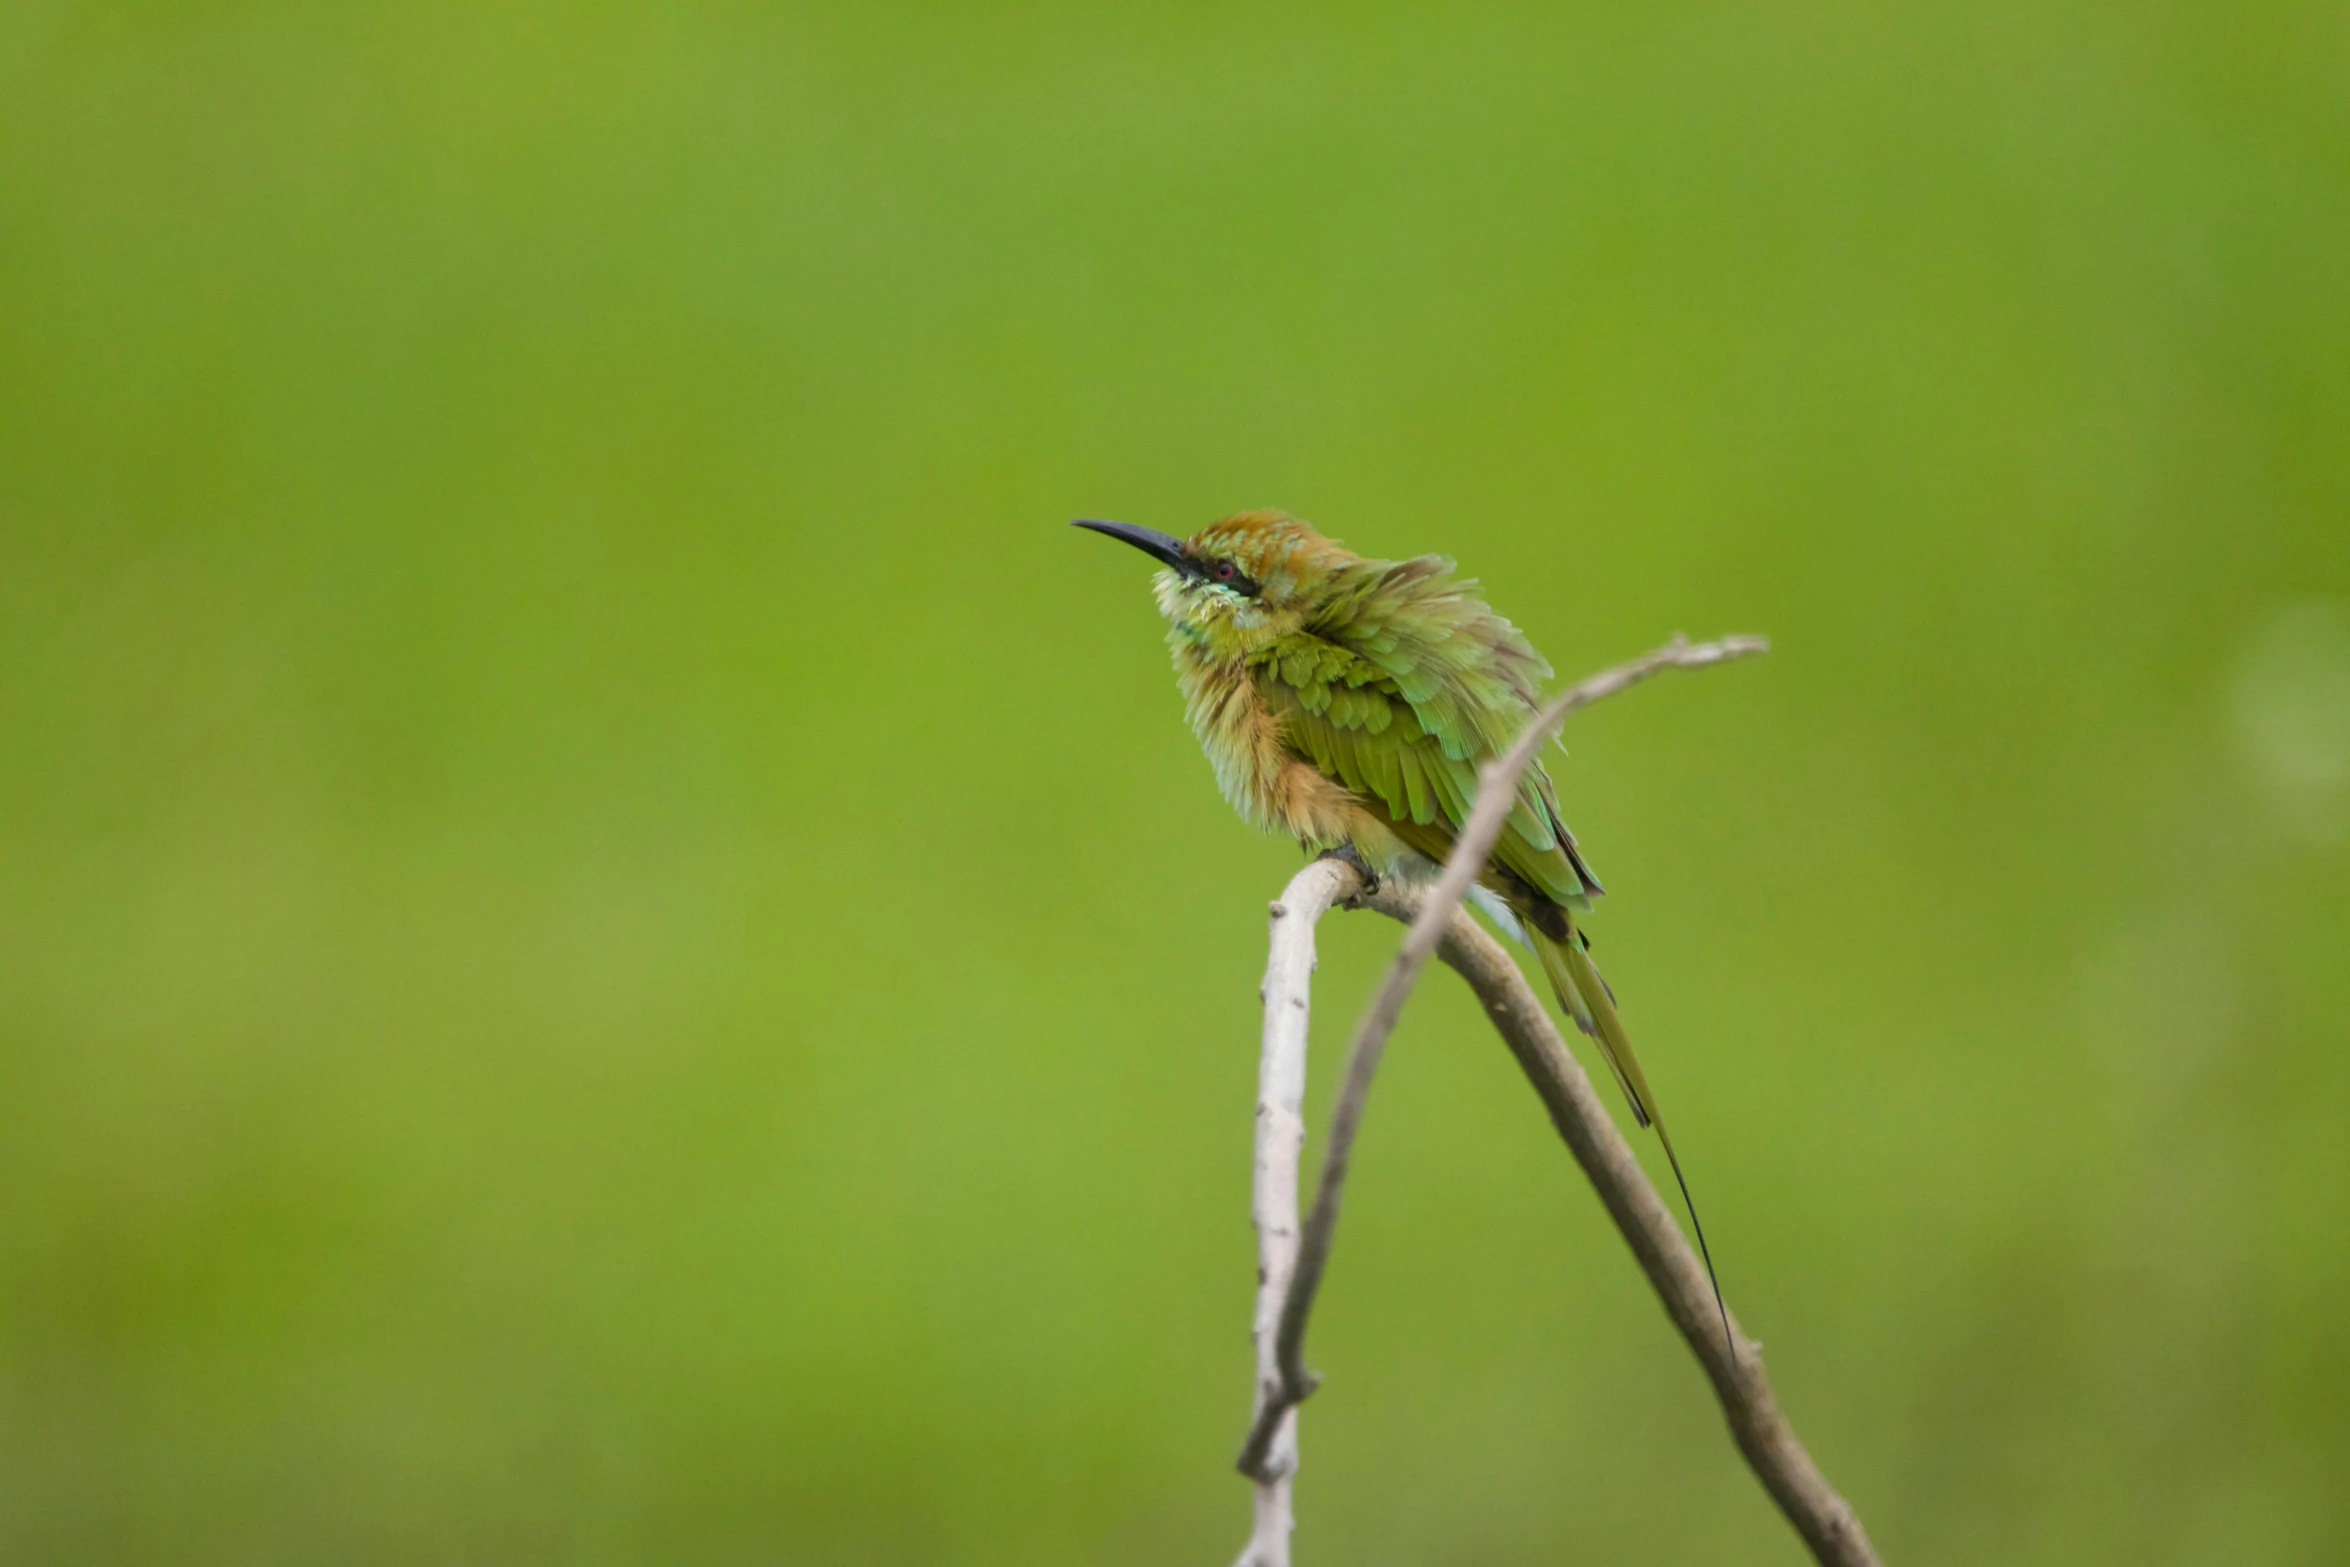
x: 1281, y: 1136
x: 1824, y: 1519
x: 1496, y: 791
x: 1437, y: 923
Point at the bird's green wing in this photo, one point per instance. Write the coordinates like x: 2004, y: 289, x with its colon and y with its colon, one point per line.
x: 1470, y: 675
x: 1399, y: 689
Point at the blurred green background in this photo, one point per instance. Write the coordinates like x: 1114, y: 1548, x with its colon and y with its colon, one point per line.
x: 612, y: 948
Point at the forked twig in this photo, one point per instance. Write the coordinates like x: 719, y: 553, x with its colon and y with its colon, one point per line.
x: 1437, y: 924
x: 1496, y: 792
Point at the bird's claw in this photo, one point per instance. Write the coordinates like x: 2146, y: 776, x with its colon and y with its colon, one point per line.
x: 1348, y: 854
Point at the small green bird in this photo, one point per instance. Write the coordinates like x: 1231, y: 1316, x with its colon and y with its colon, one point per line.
x: 1349, y: 702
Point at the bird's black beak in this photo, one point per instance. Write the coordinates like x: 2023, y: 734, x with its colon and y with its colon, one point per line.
x: 1162, y: 546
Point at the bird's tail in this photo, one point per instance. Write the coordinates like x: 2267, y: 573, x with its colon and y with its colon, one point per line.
x: 1586, y: 998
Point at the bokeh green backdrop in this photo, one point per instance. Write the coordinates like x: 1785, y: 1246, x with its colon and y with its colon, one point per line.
x: 612, y: 949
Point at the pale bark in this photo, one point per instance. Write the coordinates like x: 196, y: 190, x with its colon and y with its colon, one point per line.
x: 1281, y: 1134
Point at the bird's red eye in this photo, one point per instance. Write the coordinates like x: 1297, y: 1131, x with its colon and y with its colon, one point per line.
x: 1224, y: 571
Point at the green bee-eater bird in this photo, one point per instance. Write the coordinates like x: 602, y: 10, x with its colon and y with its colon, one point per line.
x: 1349, y: 702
